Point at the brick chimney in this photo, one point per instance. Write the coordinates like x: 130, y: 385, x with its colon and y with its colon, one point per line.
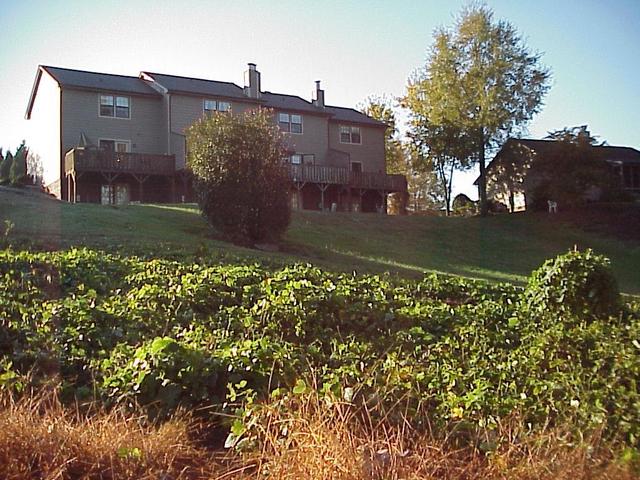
x: 252, y: 82
x: 318, y: 96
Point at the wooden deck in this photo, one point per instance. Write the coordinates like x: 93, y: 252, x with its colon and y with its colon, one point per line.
x: 80, y: 160
x: 341, y: 176
x: 105, y: 161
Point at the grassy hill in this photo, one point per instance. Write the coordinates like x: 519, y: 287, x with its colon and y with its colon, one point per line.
x: 499, y: 248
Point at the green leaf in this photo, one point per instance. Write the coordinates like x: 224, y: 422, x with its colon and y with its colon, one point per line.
x: 300, y: 387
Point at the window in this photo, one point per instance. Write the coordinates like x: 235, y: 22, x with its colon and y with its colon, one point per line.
x: 290, y: 123
x: 114, y: 106
x: 350, y: 134
x: 119, y: 146
x: 209, y: 106
x: 300, y: 159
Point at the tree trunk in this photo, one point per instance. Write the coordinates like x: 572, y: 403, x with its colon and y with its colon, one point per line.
x: 449, y: 187
x: 482, y: 182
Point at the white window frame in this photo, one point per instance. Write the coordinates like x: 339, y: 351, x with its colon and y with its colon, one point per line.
x: 217, y: 105
x: 289, y: 122
x: 115, y: 106
x: 117, y: 141
x: 351, y: 129
x: 299, y: 156
x: 204, y: 105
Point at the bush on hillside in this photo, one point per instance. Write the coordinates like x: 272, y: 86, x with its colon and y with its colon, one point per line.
x: 463, y: 205
x: 580, y: 283
x: 240, y: 184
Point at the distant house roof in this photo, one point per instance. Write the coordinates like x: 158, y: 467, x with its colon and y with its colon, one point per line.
x: 611, y: 154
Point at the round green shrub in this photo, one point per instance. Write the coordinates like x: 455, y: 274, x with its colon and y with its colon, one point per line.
x: 240, y: 183
x: 580, y: 283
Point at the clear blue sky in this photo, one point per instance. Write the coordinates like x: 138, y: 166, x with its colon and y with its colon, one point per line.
x: 357, y: 48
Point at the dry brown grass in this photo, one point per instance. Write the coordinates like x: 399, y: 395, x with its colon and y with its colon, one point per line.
x: 39, y: 438
x: 334, y: 442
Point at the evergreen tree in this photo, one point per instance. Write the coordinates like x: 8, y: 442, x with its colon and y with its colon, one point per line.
x: 5, y: 169
x: 18, y: 172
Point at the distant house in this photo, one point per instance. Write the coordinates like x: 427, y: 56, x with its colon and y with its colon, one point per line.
x: 112, y: 138
x: 510, y: 182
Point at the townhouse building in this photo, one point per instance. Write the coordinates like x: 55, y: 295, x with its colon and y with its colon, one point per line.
x: 108, y: 139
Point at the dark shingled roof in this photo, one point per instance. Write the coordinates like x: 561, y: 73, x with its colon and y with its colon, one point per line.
x: 197, y: 86
x: 342, y: 114
x: 100, y: 81
x: 620, y: 154
x: 280, y: 101
x: 626, y: 155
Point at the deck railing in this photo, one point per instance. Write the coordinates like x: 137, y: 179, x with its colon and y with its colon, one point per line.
x: 319, y: 174
x: 343, y: 176
x: 101, y: 160
x: 107, y: 161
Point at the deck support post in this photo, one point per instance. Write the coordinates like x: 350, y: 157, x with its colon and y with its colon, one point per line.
x: 299, y: 186
x: 183, y: 177
x: 323, y: 188
x: 110, y: 178
x: 141, y: 179
x: 384, y: 194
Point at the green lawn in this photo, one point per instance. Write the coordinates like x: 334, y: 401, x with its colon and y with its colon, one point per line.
x: 502, y: 248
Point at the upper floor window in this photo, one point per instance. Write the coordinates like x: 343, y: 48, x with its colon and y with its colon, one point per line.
x: 114, y: 106
x: 349, y: 134
x: 290, y: 122
x: 209, y: 106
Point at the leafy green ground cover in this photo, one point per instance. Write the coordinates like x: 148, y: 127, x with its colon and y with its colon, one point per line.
x: 500, y: 248
x: 226, y: 336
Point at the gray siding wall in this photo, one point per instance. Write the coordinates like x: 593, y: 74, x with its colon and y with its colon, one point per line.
x: 178, y: 148
x: 370, y: 152
x: 318, y: 137
x: 314, y: 138
x: 145, y: 129
x: 43, y: 132
x: 185, y: 110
